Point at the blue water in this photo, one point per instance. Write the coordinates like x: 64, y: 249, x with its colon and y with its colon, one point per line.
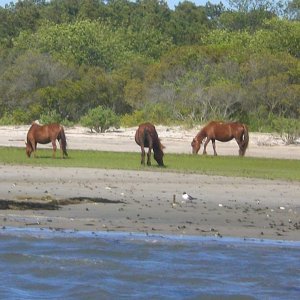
x: 44, y: 264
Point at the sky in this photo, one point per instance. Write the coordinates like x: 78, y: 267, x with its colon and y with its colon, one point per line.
x: 171, y: 3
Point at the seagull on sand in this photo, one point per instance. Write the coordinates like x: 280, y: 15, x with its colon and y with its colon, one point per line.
x: 187, y: 197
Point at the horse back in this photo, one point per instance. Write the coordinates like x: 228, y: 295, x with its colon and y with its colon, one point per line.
x: 43, y: 134
x: 146, y: 134
x: 222, y: 131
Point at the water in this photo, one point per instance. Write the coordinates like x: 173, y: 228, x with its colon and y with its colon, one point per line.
x: 43, y: 264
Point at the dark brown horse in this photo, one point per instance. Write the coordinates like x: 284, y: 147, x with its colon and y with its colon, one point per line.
x: 223, y: 132
x: 44, y: 134
x: 146, y: 137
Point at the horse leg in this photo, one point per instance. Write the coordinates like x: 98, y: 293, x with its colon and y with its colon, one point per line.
x: 213, y: 141
x: 34, y: 144
x: 142, y: 155
x: 54, y: 148
x: 205, y: 144
x: 240, y: 144
x: 149, y: 157
x: 150, y: 146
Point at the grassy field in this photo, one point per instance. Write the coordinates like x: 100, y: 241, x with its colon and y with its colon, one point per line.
x: 221, y: 165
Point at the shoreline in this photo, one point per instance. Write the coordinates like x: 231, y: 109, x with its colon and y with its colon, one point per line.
x: 142, y: 202
x: 156, y: 237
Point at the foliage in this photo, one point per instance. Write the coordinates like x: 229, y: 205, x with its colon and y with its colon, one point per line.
x: 20, y: 116
x: 289, y: 129
x: 100, y: 119
x: 144, y: 61
x: 188, y: 23
x: 7, y: 119
x: 278, y: 36
x: 133, y: 119
x: 156, y: 113
x: 50, y: 117
x: 83, y: 43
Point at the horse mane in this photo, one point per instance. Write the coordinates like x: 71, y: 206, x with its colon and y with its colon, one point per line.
x: 201, y: 134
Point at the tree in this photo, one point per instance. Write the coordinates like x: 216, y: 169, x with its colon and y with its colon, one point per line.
x: 214, y: 11
x: 250, y: 5
x: 240, y: 20
x: 278, y: 36
x: 94, y: 44
x: 29, y: 72
x: 293, y: 10
x: 188, y: 23
x: 153, y: 14
x: 59, y: 12
x: 100, y: 119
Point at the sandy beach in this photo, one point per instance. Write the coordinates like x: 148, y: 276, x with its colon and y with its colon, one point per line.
x: 150, y: 202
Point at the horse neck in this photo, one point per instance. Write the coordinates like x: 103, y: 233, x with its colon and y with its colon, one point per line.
x: 201, y: 135
x: 156, y: 144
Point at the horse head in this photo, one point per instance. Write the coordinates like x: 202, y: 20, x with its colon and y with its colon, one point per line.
x: 159, y: 154
x: 195, y: 145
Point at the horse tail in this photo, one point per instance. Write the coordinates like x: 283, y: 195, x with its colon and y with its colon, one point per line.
x: 63, y: 141
x: 245, y: 141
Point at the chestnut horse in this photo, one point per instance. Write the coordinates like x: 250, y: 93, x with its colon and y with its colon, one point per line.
x: 146, y: 136
x: 222, y: 132
x: 44, y: 134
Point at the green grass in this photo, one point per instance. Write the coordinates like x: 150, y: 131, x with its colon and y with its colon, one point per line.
x: 222, y: 165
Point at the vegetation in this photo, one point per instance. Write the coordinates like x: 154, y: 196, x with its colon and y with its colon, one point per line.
x: 100, y: 119
x: 141, y: 60
x: 222, y: 165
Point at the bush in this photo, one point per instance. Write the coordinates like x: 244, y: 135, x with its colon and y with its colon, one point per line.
x: 7, y: 119
x: 50, y: 117
x: 156, y: 113
x: 289, y: 129
x: 137, y: 117
x: 21, y: 117
x: 100, y: 119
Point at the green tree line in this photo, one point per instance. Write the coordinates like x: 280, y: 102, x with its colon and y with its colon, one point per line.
x: 144, y: 61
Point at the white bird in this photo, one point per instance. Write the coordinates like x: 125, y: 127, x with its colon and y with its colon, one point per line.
x: 187, y: 197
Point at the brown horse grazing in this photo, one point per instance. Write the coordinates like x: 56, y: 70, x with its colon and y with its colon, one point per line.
x: 45, y: 134
x: 146, y: 136
x: 223, y: 132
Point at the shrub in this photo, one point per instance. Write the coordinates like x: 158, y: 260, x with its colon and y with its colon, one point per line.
x: 50, y: 117
x: 21, y: 117
x: 100, y: 119
x: 289, y: 129
x: 158, y: 113
x: 7, y: 119
x: 137, y: 117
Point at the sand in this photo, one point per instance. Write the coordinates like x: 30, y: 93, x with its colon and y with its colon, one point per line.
x: 150, y: 202
x: 176, y: 140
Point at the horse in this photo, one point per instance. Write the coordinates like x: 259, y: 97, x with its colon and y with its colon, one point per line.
x: 223, y: 132
x: 45, y: 134
x: 146, y: 136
